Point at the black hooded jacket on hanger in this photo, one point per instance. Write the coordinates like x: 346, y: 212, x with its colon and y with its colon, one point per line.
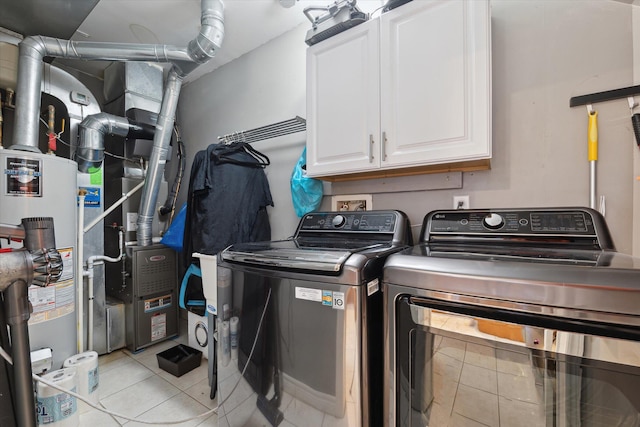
x: 227, y: 200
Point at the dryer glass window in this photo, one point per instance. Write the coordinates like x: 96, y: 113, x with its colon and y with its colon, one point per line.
x: 457, y: 365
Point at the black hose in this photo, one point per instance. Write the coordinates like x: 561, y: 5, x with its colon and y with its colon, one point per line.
x: 169, y: 204
x: 635, y: 121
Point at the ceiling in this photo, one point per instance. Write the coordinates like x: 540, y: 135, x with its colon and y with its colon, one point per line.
x: 248, y: 23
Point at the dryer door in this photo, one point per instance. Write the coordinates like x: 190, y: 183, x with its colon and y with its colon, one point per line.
x: 457, y: 363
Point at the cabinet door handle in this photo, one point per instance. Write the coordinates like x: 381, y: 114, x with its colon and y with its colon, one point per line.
x: 370, y: 148
x: 384, y: 146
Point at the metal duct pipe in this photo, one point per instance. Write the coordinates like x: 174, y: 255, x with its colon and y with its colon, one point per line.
x: 203, y: 47
x: 92, y: 130
x: 158, y: 158
x: 33, y: 50
x: 200, y: 50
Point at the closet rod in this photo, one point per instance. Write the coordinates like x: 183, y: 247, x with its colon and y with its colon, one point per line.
x: 286, y: 127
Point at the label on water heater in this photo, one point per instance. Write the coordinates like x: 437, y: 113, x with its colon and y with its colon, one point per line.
x: 56, y: 300
x: 23, y: 177
x: 92, y: 197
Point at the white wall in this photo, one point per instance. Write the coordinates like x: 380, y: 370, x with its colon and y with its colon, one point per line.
x: 263, y: 87
x: 544, y: 52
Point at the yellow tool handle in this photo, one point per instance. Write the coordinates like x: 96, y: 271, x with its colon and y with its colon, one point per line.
x: 592, y: 135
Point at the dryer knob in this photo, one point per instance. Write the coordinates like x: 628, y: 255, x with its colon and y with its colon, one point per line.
x: 338, y: 221
x: 493, y: 221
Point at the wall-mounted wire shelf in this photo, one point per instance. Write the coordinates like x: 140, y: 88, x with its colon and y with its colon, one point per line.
x: 286, y: 127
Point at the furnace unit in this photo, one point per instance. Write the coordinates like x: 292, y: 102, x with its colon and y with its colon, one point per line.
x: 149, y: 295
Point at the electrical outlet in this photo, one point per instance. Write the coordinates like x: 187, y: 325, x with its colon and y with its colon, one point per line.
x: 351, y: 202
x: 461, y: 202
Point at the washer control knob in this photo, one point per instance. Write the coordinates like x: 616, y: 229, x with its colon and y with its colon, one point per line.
x: 493, y: 221
x: 338, y: 221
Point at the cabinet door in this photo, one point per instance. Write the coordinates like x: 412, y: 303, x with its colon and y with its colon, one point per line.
x: 343, y: 102
x: 435, y: 82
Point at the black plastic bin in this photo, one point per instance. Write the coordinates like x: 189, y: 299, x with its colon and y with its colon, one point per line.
x: 179, y: 360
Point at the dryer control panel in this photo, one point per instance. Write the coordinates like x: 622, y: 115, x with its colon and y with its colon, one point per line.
x: 535, y: 225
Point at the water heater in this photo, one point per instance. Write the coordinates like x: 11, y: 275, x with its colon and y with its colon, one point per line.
x: 41, y: 184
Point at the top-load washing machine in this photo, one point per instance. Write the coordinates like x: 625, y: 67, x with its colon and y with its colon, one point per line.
x: 304, y: 322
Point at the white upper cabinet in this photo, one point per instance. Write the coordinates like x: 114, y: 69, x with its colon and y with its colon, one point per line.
x: 409, y: 89
x: 343, y: 101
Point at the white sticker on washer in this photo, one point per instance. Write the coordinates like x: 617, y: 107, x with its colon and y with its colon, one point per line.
x: 373, y: 287
x: 309, y: 294
x: 338, y: 300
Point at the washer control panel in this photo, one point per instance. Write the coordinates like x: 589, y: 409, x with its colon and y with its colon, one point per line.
x: 580, y: 222
x: 365, y: 222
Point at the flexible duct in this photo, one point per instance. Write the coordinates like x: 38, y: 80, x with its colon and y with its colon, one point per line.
x: 202, y: 48
x: 170, y: 203
x: 92, y: 130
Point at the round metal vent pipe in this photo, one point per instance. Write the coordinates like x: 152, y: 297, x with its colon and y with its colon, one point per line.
x: 92, y: 130
x: 200, y: 50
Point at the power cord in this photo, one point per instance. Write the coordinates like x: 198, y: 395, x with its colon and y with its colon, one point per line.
x: 7, y: 357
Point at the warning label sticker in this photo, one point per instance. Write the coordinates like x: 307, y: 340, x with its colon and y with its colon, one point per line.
x: 158, y: 326
x: 56, y: 300
x: 157, y: 303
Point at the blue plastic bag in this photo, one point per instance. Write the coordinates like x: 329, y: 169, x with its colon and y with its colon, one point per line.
x: 173, y: 236
x: 306, y: 192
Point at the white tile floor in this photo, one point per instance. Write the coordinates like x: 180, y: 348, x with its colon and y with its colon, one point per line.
x: 479, y: 385
x: 134, y: 385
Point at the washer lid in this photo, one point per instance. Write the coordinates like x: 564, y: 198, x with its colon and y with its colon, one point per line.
x: 325, y: 255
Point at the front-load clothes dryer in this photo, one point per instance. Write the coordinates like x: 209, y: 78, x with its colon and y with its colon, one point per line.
x: 510, y: 317
x: 302, y: 341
